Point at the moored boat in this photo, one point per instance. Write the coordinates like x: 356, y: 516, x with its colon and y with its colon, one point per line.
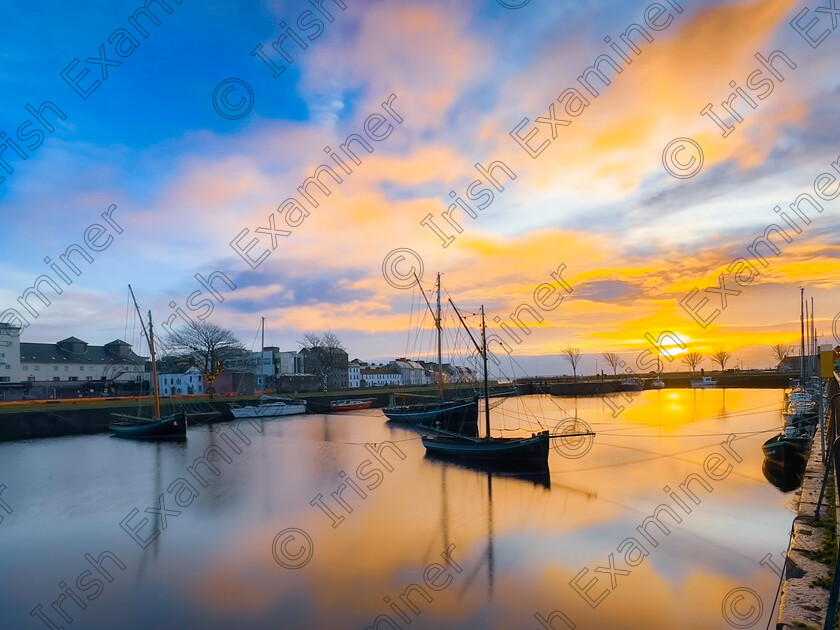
x: 268, y: 407
x: 631, y: 385
x: 502, y: 451
x: 170, y: 427
x: 138, y: 428
x: 706, y: 381
x: 786, y: 446
x: 459, y: 415
x: 351, y: 405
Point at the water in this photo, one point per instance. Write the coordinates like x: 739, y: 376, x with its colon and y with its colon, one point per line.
x: 514, y: 543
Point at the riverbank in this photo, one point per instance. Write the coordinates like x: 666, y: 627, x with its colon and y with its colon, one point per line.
x: 809, y: 568
x: 83, y: 416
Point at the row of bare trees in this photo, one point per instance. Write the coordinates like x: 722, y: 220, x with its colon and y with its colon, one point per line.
x: 691, y: 359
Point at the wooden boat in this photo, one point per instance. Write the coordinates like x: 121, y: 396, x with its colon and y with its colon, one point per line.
x: 268, y: 407
x: 458, y: 415
x: 137, y: 428
x: 351, y: 405
x: 530, y: 450
x: 168, y: 428
x: 526, y: 451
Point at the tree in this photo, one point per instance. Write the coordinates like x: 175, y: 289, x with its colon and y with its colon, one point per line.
x: 781, y: 351
x: 208, y: 346
x: 692, y: 360
x: 613, y: 359
x: 325, y: 356
x: 721, y: 357
x: 573, y: 356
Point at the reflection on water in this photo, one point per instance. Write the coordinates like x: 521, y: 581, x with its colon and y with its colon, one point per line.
x: 518, y: 539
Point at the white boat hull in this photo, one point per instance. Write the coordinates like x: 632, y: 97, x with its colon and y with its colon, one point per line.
x: 271, y: 410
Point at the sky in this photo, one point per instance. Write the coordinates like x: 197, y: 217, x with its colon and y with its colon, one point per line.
x: 630, y: 238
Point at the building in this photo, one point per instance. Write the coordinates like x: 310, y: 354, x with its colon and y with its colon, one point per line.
x: 330, y: 364
x: 383, y: 376
x: 412, y: 372
x: 72, y: 360
x: 9, y: 353
x: 188, y: 383
x: 354, y: 373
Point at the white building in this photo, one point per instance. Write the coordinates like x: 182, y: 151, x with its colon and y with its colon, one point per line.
x: 411, y: 372
x: 189, y: 383
x: 9, y: 353
x: 74, y: 360
x: 380, y: 377
x: 354, y: 373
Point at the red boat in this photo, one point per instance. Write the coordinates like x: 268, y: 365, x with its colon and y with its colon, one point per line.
x: 351, y: 405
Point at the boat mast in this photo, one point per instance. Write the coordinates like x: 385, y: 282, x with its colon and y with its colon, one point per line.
x: 802, y: 336
x: 154, y: 367
x: 815, y: 362
x: 150, y: 340
x: 486, y: 387
x: 440, y: 354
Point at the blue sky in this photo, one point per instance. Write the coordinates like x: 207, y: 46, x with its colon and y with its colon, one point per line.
x: 186, y: 180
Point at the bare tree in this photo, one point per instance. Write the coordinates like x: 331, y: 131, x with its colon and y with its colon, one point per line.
x: 692, y: 360
x: 613, y: 359
x: 781, y: 351
x: 721, y: 357
x: 208, y: 347
x: 573, y: 356
x: 324, y: 355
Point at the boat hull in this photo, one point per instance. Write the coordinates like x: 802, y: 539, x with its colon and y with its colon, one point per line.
x: 350, y: 405
x: 454, y: 417
x: 271, y: 410
x: 504, y: 451
x: 169, y: 428
x: 782, y: 448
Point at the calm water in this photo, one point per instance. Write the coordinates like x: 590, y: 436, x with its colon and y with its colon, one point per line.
x: 518, y: 542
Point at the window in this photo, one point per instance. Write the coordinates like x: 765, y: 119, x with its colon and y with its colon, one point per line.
x: 88, y: 378
x: 24, y: 367
x: 66, y: 368
x: 55, y: 368
x: 31, y: 378
x: 56, y: 378
x: 5, y: 379
x: 8, y: 367
x: 37, y: 368
x: 81, y: 368
x: 73, y: 378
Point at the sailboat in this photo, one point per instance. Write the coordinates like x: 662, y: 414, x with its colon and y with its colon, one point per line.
x: 527, y: 451
x: 658, y: 383
x: 459, y: 415
x: 138, y: 428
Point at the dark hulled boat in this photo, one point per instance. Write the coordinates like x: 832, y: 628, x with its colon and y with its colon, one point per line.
x: 453, y: 416
x: 527, y: 451
x: 458, y: 415
x: 521, y: 451
x: 172, y: 427
x: 784, y: 447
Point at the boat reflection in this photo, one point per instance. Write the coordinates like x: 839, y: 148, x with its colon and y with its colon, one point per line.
x: 538, y: 477
x: 785, y: 474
